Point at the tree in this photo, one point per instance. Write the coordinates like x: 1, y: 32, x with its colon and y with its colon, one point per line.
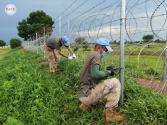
x: 2, y: 43
x: 148, y: 38
x: 15, y: 43
x: 35, y: 23
x: 79, y: 40
x: 86, y: 46
x: 76, y: 49
x: 157, y: 41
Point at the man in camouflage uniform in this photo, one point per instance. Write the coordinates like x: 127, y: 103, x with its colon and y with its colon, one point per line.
x: 53, y: 44
x: 90, y: 92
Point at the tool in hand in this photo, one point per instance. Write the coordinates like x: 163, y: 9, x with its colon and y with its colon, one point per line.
x: 111, y: 69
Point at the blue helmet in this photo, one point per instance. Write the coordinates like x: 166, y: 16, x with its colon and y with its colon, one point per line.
x: 65, y: 40
x: 105, y: 43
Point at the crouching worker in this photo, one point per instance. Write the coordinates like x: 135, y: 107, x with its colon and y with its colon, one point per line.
x: 90, y: 92
x: 53, y: 44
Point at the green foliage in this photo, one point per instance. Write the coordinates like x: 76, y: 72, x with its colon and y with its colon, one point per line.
x: 14, y: 43
x: 150, y: 71
x: 15, y: 49
x: 79, y: 40
x: 35, y: 23
x: 2, y: 43
x: 76, y: 49
x: 30, y: 95
x: 157, y: 41
x: 148, y: 38
x: 12, y: 121
x: 86, y: 46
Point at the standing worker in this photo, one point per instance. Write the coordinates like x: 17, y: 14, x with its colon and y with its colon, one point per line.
x: 90, y: 92
x: 53, y: 44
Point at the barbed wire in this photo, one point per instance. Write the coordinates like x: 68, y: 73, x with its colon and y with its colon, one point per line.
x: 66, y: 9
x: 152, y: 18
x: 73, y: 11
x: 104, y: 21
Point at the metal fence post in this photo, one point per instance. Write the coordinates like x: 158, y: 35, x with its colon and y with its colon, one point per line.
x: 59, y: 31
x: 68, y: 36
x: 37, y: 43
x: 122, y: 66
x: 165, y: 68
x: 44, y: 42
x: 33, y: 43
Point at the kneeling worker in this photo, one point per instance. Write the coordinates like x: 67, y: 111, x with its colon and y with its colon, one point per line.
x: 53, y: 44
x: 90, y: 92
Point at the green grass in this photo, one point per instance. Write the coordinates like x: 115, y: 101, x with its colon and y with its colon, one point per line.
x: 133, y: 47
x: 154, y: 62
x: 4, y: 52
x: 30, y: 95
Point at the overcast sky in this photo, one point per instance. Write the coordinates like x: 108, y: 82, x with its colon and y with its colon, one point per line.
x: 54, y: 8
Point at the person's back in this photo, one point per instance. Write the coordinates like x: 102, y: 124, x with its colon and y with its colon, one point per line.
x: 54, y: 43
x: 86, y: 82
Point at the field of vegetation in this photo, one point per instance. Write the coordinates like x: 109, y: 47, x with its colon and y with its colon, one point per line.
x: 30, y: 95
x: 145, y: 59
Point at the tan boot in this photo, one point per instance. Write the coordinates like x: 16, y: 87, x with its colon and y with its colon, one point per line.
x: 84, y: 107
x: 113, y: 115
x: 57, y: 70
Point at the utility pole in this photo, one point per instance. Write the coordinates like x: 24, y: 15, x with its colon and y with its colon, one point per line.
x: 122, y: 66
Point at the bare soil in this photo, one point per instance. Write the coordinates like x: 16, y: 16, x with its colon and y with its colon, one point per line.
x: 1, y: 50
x: 21, y: 48
x: 44, y: 62
x: 156, y: 85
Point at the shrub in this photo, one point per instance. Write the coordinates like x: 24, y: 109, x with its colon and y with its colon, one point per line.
x: 76, y: 49
x: 15, y: 43
x: 86, y: 46
x: 150, y: 71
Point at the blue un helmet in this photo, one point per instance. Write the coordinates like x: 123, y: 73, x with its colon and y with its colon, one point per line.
x: 105, y: 43
x: 65, y: 40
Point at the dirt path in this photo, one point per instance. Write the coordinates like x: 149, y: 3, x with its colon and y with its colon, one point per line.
x: 1, y: 49
x: 21, y: 48
x: 44, y: 62
x: 157, y: 85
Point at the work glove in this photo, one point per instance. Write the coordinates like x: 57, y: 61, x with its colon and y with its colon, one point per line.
x: 111, y: 72
x: 74, y: 56
x: 70, y: 57
x: 111, y: 69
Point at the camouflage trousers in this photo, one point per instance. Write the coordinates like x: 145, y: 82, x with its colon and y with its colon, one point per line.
x: 52, y: 58
x: 110, y: 89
